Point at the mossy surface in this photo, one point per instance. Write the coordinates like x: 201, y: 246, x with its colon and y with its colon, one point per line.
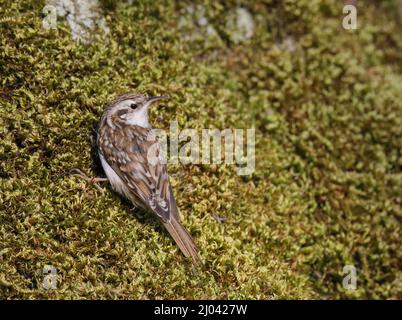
x: 326, y: 104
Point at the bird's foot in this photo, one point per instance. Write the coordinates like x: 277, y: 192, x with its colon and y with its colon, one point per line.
x: 94, y: 180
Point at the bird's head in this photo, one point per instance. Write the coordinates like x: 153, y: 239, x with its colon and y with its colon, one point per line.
x: 131, y: 109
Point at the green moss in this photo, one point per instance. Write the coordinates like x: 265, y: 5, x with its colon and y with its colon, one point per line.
x: 327, y: 107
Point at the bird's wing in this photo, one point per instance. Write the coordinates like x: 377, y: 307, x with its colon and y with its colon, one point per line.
x: 134, y: 154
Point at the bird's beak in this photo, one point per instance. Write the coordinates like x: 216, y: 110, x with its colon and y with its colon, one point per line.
x: 155, y: 98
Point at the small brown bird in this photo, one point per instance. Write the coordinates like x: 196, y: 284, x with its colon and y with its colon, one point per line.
x: 130, y: 155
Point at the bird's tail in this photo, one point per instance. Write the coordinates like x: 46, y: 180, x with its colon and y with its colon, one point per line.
x: 183, y: 239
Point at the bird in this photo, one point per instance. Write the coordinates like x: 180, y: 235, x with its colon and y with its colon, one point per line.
x: 131, y: 157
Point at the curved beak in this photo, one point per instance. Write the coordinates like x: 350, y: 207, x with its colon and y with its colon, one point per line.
x: 156, y: 98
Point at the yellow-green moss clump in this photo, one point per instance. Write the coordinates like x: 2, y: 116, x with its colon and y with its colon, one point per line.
x: 327, y: 107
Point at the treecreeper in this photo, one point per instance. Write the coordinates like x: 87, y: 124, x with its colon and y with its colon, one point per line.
x: 131, y: 158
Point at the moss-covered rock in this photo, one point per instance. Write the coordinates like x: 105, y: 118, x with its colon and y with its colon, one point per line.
x: 326, y: 104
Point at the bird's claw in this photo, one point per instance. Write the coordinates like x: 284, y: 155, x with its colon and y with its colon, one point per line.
x: 75, y: 172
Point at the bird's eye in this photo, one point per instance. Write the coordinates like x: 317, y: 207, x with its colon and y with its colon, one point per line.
x: 133, y: 106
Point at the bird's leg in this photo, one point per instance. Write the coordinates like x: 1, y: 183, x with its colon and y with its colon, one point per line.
x: 94, y: 180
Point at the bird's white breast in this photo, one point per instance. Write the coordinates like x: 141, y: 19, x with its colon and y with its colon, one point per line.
x: 114, y: 179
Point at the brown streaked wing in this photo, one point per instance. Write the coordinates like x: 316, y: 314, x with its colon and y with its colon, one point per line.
x: 127, y: 154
